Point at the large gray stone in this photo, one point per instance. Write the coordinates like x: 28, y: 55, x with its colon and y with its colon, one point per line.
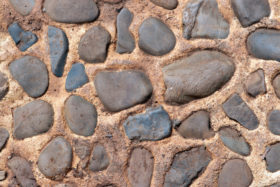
x: 99, y: 159
x: 196, y: 76
x: 272, y: 157
x: 4, y: 136
x: 167, y: 4
x: 24, y: 7
x: 4, y: 85
x: 274, y: 121
x: 255, y: 84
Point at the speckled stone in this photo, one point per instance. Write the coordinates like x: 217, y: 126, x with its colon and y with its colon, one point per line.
x: 255, y: 83
x: 167, y: 4
x: 76, y: 77
x: 24, y: 7
x: 272, y: 158
x: 4, y: 85
x: 274, y: 121
x: 4, y: 136
x: 99, y: 159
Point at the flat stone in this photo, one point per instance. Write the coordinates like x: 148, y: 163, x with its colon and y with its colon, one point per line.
x: 274, y: 121
x: 155, y: 37
x: 125, y: 42
x: 123, y: 89
x: 71, y: 11
x: 32, y: 119
x: 152, y: 125
x: 2, y: 175
x: 56, y: 158
x: 197, y: 126
x: 24, y: 7
x: 196, y: 76
x: 112, y: 1
x: 99, y: 159
x: 4, y: 136
x: 140, y: 167
x: 187, y: 166
x: 81, y: 148
x: 76, y: 77
x: 272, y: 158
x: 202, y: 19
x: 263, y: 44
x: 31, y: 74
x: 22, y: 171
x: 23, y: 39
x: 255, y: 84
x: 275, y: 185
x: 167, y: 4
x: 233, y: 140
x: 93, y: 45
x: 58, y: 46
x: 250, y: 11
x: 81, y: 115
x: 276, y: 85
x: 235, y: 172
x: 236, y: 109
x: 4, y: 85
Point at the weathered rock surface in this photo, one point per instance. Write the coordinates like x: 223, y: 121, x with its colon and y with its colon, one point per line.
x: 255, y: 83
x: 140, y: 168
x: 4, y: 136
x: 196, y: 76
x: 81, y: 148
x: 3, y: 175
x: 152, y: 125
x: 275, y: 185
x: 4, y: 85
x: 236, y: 109
x: 272, y: 158
x: 167, y: 4
x: 124, y: 89
x: 187, y: 166
x: 276, y: 85
x: 274, y: 121
x: 24, y: 7
x: 155, y: 37
x: 81, y: 115
x: 99, y: 159
x: 76, y: 77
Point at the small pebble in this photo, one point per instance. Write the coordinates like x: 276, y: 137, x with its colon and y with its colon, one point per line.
x: 99, y: 159
x: 255, y: 84
x: 76, y: 77
x: 274, y: 121
x: 4, y: 86
x: 272, y: 157
x: 4, y: 136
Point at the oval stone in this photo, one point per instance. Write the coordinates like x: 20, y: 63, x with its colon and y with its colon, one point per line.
x: 276, y: 85
x: 24, y: 7
x: 4, y: 136
x: 167, y: 4
x: 272, y: 157
x: 255, y: 83
x: 274, y: 121
x: 99, y: 159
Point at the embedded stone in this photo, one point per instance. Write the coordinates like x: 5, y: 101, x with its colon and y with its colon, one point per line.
x: 125, y: 42
x: 56, y: 158
x: 24, y: 7
x: 76, y: 77
x: 93, y: 45
x: 275, y: 185
x: 4, y: 86
x: 202, y: 19
x: 233, y: 140
x: 274, y: 122
x: 123, y: 89
x: 276, y: 85
x: 58, y: 44
x: 99, y: 159
x: 235, y: 172
x: 81, y: 148
x: 2, y: 175
x: 31, y: 74
x: 4, y: 136
x: 272, y: 158
x: 140, y: 168
x: 196, y: 76
x: 187, y: 166
x: 71, y: 11
x: 155, y: 37
x: 32, y: 119
x: 255, y: 84
x: 197, y: 126
x: 152, y: 125
x: 236, y: 109
x: 167, y: 4
x: 249, y: 12
x: 81, y: 115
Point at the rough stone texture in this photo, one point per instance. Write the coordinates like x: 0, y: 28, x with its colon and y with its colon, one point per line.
x: 234, y: 141
x: 167, y: 4
x: 81, y: 115
x: 31, y: 74
x: 197, y: 126
x: 81, y: 148
x: 250, y: 11
x: 93, y: 45
x: 155, y: 37
x: 235, y: 172
x: 4, y: 136
x: 276, y: 85
x: 24, y: 7
x: 273, y: 120
x: 76, y: 77
x: 187, y: 166
x: 196, y: 76
x: 236, y: 109
x: 4, y: 85
x: 99, y: 159
x: 140, y: 167
x: 22, y: 171
x: 2, y: 175
x: 123, y: 89
x: 56, y: 158
x: 71, y: 11
x: 255, y: 83
x: 264, y: 44
x: 272, y: 157
x: 152, y: 125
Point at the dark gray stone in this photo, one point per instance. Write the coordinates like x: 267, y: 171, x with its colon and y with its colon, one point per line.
x: 235, y: 172
x: 250, y: 11
x: 152, y: 125
x: 202, y: 19
x: 272, y: 158
x: 4, y: 86
x: 126, y: 42
x: 23, y: 39
x: 236, y: 109
x: 76, y: 77
x: 93, y: 45
x: 81, y: 115
x: 24, y: 7
x: 140, y: 168
x: 56, y: 158
x: 123, y: 89
x: 264, y: 44
x: 196, y: 76
x: 233, y: 139
x: 31, y: 74
x: 187, y: 166
x: 71, y: 11
x: 276, y: 85
x: 197, y: 126
x: 167, y: 4
x: 22, y: 171
x: 4, y: 136
x: 58, y: 46
x: 274, y: 121
x: 99, y: 159
x: 255, y: 84
x: 155, y: 37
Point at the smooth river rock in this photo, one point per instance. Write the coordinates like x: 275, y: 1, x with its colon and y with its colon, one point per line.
x: 276, y: 85
x: 24, y: 7
x: 167, y: 4
x: 4, y: 136
x: 272, y: 157
x: 99, y: 159
x: 274, y: 121
x: 76, y: 77
x: 255, y: 83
